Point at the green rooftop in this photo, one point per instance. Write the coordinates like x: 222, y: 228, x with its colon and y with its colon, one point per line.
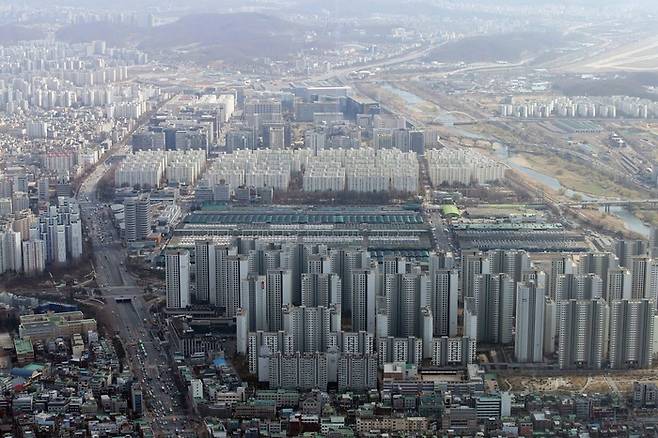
x: 450, y: 210
x: 23, y: 346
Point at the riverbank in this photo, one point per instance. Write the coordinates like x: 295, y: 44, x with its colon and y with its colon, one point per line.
x: 577, y: 176
x: 650, y: 217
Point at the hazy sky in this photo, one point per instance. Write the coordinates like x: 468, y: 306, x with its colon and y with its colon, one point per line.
x: 372, y: 4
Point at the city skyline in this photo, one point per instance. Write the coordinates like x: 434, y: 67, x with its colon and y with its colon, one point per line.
x: 328, y: 219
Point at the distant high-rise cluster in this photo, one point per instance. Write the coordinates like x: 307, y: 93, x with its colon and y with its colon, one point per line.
x: 583, y: 107
x: 48, y: 75
x: 338, y: 119
x: 65, y: 105
x: 196, y: 129
x: 28, y: 243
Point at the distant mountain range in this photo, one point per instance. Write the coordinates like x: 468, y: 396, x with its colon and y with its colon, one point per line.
x: 201, y: 37
x: 11, y: 33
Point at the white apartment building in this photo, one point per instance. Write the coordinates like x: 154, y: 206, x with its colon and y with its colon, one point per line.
x: 462, y: 166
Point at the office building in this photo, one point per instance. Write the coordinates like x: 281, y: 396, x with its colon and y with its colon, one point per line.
x: 136, y: 399
x: 276, y: 137
x: 177, y: 273
x: 137, y: 211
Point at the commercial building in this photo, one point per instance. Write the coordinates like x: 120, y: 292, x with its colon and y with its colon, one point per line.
x: 40, y: 327
x: 380, y: 230
x: 24, y: 351
x: 402, y: 425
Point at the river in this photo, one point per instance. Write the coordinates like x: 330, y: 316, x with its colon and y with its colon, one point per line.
x: 631, y: 222
x: 442, y: 116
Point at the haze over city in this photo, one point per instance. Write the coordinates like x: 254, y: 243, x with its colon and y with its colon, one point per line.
x: 366, y: 218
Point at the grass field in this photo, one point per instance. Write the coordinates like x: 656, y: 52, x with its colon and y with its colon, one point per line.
x: 577, y: 177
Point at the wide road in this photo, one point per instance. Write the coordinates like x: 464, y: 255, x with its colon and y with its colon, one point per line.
x: 342, y: 73
x: 131, y: 317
